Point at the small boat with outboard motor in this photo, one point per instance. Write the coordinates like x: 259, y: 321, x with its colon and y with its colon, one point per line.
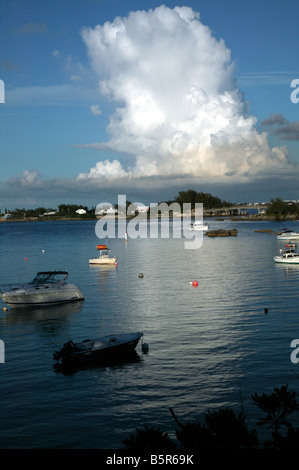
x: 98, y: 350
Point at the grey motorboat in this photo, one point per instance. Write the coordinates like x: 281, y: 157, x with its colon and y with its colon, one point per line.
x: 47, y: 288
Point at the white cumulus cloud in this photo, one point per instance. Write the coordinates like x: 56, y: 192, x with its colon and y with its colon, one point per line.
x: 29, y: 178
x: 178, y: 110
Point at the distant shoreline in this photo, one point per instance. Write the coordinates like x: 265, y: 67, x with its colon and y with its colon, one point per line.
x: 254, y: 218
x: 40, y: 219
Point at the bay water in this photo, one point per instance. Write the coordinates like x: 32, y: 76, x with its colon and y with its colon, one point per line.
x: 210, y: 346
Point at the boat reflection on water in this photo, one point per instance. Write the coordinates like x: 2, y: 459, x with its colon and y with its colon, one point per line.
x: 106, y: 351
x: 103, y: 271
x: 57, y: 313
x: 290, y: 270
x: 131, y: 357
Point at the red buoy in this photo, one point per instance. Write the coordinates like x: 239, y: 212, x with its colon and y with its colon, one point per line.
x: 195, y: 283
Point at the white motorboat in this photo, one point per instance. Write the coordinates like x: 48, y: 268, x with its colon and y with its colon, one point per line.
x: 287, y: 234
x: 47, y: 288
x: 104, y: 256
x: 200, y: 226
x: 288, y: 256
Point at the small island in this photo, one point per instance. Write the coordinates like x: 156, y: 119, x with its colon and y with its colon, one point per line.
x: 222, y: 233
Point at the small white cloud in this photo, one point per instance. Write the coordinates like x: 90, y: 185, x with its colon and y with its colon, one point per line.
x: 107, y: 169
x: 29, y: 178
x: 95, y: 109
x: 56, y: 53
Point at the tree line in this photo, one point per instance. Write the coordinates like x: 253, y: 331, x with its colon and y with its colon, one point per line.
x: 208, y: 200
x: 228, y: 429
x: 278, y: 208
x: 69, y: 210
x: 64, y: 210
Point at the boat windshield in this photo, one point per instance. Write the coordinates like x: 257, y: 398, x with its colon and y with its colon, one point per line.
x: 49, y: 277
x: 105, y: 252
x: 290, y: 254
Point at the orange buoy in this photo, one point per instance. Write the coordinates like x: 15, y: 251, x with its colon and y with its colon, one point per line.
x: 194, y: 283
x: 101, y: 247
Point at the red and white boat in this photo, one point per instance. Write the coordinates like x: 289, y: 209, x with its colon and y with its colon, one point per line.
x: 104, y: 256
x: 289, y: 255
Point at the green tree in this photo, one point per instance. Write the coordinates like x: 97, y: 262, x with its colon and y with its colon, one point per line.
x: 37, y: 212
x: 19, y: 213
x: 222, y: 429
x: 277, y: 406
x: 192, y: 197
x: 225, y: 429
x: 277, y: 208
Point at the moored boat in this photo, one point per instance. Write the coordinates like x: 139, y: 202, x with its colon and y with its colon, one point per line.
x: 47, y: 288
x: 199, y: 226
x: 99, y: 349
x: 289, y: 255
x: 287, y: 234
x: 104, y: 256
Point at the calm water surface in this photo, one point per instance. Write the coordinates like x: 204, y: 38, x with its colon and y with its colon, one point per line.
x: 209, y: 347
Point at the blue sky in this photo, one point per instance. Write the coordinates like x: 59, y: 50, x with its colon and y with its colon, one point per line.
x: 176, y: 100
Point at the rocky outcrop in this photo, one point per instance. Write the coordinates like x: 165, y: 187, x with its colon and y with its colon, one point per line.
x: 222, y: 233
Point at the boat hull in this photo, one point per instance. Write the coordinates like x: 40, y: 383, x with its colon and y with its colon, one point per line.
x: 288, y: 235
x: 103, y: 349
x: 279, y: 259
x: 98, y: 261
x: 199, y: 228
x: 27, y: 295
